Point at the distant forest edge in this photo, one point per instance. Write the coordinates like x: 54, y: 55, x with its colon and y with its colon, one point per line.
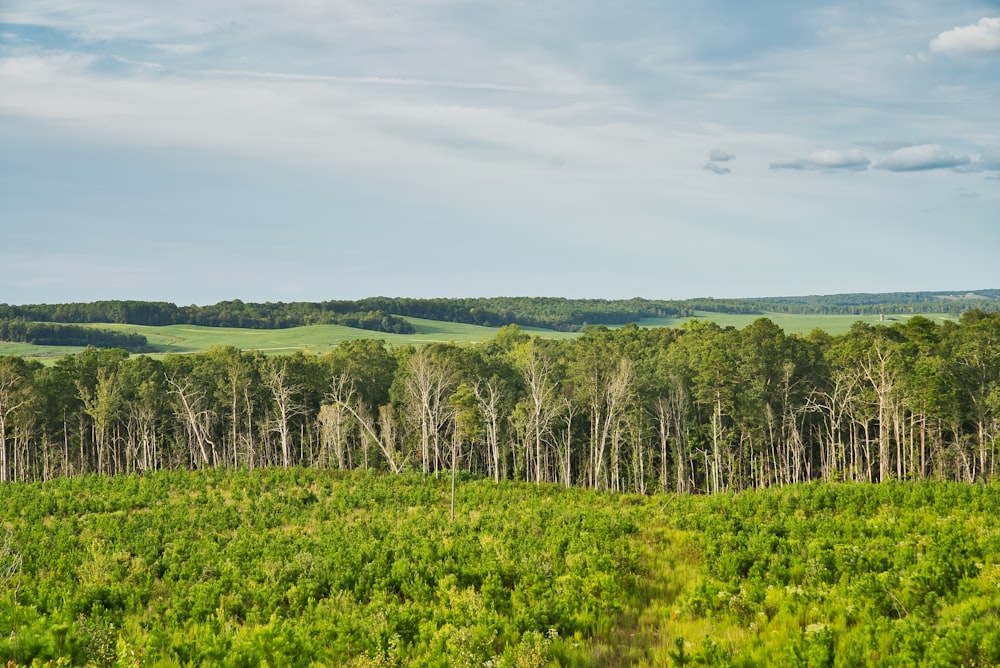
x: 382, y: 314
x: 19, y: 330
x: 386, y: 314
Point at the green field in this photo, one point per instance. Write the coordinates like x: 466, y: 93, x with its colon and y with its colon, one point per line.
x: 36, y: 352
x: 180, y: 339
x: 312, y: 338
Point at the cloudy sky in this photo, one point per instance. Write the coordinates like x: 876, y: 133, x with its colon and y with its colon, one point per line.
x: 268, y: 150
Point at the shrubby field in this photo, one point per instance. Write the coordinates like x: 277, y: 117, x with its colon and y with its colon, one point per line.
x: 312, y: 567
x: 306, y: 567
x: 898, y: 574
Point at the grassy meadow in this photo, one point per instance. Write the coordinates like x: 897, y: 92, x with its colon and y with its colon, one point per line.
x: 182, y: 339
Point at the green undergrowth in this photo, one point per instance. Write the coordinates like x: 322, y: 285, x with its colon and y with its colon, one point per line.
x: 899, y: 574
x: 310, y: 568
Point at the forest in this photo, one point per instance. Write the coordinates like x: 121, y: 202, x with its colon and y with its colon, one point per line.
x: 223, y: 314
x: 893, y: 302
x: 19, y: 330
x: 372, y: 313
x: 700, y: 409
x: 387, y: 314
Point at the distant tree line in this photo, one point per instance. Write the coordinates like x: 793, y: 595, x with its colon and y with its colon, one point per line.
x: 387, y: 314
x: 697, y: 409
x: 376, y: 313
x: 224, y: 314
x: 901, y: 303
x: 19, y: 330
x: 568, y: 315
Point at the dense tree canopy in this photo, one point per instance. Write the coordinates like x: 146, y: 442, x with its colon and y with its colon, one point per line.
x: 233, y: 313
x: 387, y: 314
x: 19, y: 330
x: 701, y: 408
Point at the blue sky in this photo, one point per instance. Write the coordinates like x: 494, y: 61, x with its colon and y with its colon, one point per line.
x: 308, y: 150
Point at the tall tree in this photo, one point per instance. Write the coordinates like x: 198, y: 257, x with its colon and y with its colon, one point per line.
x: 14, y: 383
x: 287, y: 404
x: 427, y: 382
x: 539, y: 408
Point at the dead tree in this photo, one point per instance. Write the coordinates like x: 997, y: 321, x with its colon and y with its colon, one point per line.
x: 195, y: 419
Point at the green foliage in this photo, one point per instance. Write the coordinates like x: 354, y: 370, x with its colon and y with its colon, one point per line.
x: 233, y: 313
x: 19, y: 330
x: 306, y: 567
x: 301, y: 567
x: 848, y: 575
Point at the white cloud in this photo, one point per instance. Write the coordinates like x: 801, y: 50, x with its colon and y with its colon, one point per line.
x: 981, y: 37
x: 850, y: 160
x: 921, y: 158
x: 720, y: 156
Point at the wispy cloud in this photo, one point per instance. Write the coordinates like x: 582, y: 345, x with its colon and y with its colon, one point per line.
x: 550, y: 116
x: 988, y: 160
x: 981, y: 37
x: 716, y: 169
x: 382, y: 81
x: 921, y: 158
x: 716, y: 156
x: 828, y: 160
x: 140, y: 63
x: 180, y: 49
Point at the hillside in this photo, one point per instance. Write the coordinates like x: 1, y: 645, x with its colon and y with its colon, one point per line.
x: 51, y: 330
x: 561, y: 314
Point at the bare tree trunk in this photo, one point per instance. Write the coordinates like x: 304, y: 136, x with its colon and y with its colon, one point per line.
x: 335, y: 422
x: 454, y: 467
x: 536, y: 370
x: 488, y: 400
x: 566, y: 458
x: 195, y: 420
x: 428, y: 384
x: 9, y: 403
x: 287, y: 406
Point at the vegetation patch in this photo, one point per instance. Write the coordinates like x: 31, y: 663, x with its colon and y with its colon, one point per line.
x: 306, y: 567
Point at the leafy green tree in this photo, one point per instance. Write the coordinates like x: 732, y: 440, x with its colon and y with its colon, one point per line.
x: 704, y: 358
x: 976, y: 349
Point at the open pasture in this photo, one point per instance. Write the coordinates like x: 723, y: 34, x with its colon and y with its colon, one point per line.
x: 317, y: 339
x: 182, y: 339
